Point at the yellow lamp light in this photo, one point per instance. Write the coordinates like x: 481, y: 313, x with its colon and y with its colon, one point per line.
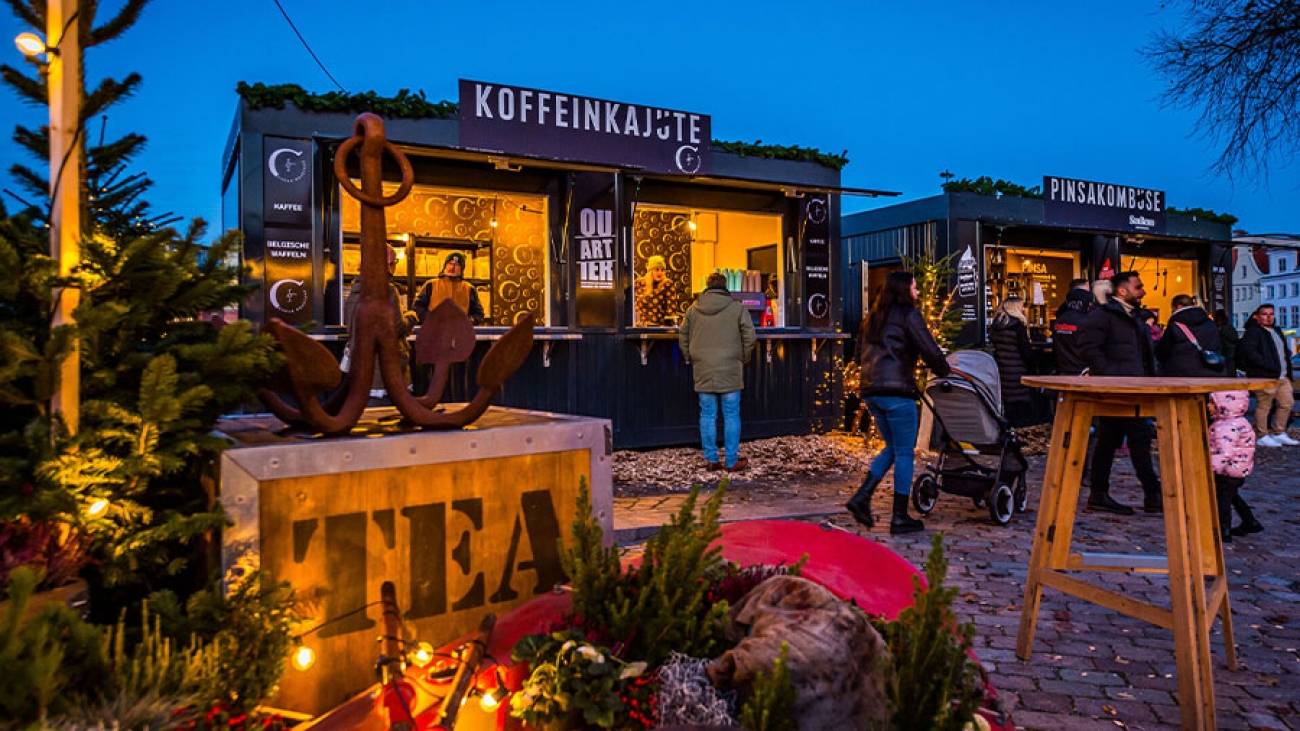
x: 489, y: 701
x: 97, y: 508
x: 29, y: 44
x: 304, y: 657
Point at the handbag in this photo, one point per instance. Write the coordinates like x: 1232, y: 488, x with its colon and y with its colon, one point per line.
x: 1210, y: 358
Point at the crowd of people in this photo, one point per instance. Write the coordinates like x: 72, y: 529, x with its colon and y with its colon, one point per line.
x: 1100, y: 330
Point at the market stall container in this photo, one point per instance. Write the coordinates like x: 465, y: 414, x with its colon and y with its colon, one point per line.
x: 1005, y: 245
x: 558, y: 204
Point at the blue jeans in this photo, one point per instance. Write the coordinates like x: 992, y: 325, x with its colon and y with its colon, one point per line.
x: 896, y: 419
x: 730, y: 425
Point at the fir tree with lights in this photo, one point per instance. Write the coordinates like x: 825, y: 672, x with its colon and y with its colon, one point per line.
x: 155, y: 374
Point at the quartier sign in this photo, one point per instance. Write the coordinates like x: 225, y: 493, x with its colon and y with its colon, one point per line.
x: 522, y: 121
x: 1088, y: 204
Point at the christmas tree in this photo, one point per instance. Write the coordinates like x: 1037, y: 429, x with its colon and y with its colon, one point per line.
x: 129, y: 486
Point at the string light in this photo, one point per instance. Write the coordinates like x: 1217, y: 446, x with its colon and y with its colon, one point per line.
x: 423, y: 654
x: 97, y: 508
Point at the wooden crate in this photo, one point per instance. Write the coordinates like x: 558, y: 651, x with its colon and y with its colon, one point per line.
x: 463, y: 522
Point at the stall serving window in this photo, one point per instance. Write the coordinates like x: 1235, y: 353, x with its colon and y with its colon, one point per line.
x: 1040, y: 278
x: 503, y: 238
x: 1163, y: 279
x: 677, y: 248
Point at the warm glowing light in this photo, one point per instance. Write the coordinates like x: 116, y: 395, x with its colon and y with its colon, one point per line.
x: 494, y: 223
x: 692, y: 225
x: 29, y: 44
x: 304, y: 657
x: 97, y: 508
x: 489, y: 701
x: 423, y: 654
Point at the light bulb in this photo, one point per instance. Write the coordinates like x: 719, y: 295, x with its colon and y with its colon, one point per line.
x: 97, y: 508
x: 29, y: 44
x: 494, y: 223
x: 692, y: 225
x: 489, y: 701
x: 423, y: 654
x: 304, y: 657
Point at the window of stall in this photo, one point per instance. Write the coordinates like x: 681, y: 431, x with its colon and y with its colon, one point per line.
x: 503, y: 238
x: 1038, y: 277
x: 1163, y: 279
x: 677, y: 248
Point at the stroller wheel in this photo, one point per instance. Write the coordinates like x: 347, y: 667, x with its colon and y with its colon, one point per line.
x: 1022, y: 497
x: 925, y: 493
x: 1002, y: 504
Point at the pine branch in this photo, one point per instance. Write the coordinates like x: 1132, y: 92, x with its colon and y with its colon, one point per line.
x: 32, y: 13
x: 31, y: 91
x: 32, y: 182
x: 109, y: 92
x: 36, y: 142
x: 110, y: 156
x: 123, y: 21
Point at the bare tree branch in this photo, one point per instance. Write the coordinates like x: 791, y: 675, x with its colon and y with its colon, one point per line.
x: 1238, y: 62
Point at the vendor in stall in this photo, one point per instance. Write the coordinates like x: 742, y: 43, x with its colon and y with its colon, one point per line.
x: 451, y: 285
x: 656, y: 302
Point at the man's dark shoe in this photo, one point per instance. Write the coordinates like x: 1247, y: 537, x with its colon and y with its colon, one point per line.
x: 1108, y: 504
x: 713, y: 466
x: 1226, y: 535
x: 860, y: 504
x: 1248, y: 527
x: 740, y: 464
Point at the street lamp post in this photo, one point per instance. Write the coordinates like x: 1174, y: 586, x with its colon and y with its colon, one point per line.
x: 64, y: 79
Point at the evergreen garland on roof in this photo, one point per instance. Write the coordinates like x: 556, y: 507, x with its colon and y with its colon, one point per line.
x: 1208, y: 215
x: 403, y: 106
x: 793, y: 153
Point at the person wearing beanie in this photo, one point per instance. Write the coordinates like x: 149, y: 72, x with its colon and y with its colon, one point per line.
x: 450, y: 286
x: 656, y: 301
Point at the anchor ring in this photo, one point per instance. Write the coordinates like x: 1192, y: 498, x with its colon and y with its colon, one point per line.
x: 341, y: 173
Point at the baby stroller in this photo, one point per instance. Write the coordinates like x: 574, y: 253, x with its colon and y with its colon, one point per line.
x: 980, y: 457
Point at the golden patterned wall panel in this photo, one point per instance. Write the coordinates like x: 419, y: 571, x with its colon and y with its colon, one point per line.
x: 666, y: 234
x: 517, y: 242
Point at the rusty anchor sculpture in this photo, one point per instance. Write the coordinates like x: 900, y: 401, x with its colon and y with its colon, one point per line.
x: 446, y: 335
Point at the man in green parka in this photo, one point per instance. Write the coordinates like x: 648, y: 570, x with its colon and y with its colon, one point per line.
x: 717, y: 338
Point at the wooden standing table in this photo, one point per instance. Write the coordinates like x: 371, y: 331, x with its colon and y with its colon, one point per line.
x: 1194, y: 550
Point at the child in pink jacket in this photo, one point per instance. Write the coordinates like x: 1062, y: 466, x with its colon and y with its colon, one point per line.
x: 1232, y: 453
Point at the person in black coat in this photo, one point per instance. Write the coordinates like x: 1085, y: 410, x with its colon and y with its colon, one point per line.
x: 893, y: 338
x: 1011, y: 350
x: 1229, y: 339
x: 1079, y: 301
x: 1114, y: 342
x: 1179, y: 357
x: 1263, y: 354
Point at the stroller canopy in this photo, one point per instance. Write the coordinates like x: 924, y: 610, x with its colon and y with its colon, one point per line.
x: 983, y: 370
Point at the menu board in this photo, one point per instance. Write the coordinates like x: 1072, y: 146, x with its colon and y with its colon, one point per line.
x: 288, y: 270
x: 815, y: 241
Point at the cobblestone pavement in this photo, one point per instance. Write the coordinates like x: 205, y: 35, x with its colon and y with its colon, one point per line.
x: 1091, y: 668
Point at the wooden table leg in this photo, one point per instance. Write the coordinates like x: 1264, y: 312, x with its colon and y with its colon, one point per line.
x: 1186, y: 580
x: 1056, y: 507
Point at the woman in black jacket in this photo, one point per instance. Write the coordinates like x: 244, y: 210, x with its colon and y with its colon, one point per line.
x: 1010, y: 339
x: 893, y: 337
x: 1177, y: 354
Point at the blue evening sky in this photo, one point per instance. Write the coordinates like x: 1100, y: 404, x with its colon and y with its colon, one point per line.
x: 1012, y: 90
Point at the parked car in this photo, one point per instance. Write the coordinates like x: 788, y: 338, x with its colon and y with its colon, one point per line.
x: 1295, y: 373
